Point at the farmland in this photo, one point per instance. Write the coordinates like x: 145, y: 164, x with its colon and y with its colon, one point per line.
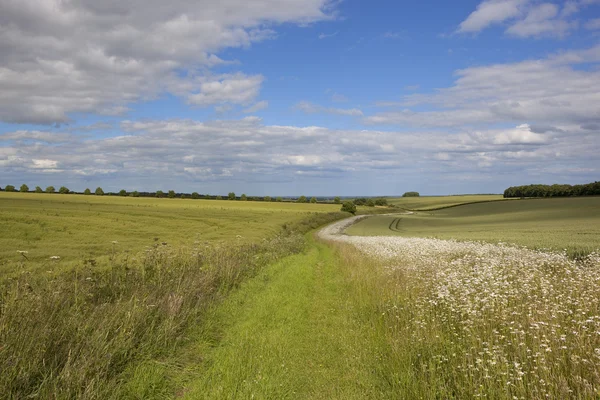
x: 424, y: 203
x: 560, y: 223
x: 77, y: 227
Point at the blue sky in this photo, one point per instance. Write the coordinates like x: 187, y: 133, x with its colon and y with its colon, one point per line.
x: 293, y: 97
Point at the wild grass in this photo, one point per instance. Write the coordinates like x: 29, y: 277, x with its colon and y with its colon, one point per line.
x: 425, y: 203
x: 100, y: 331
x: 571, y: 224
x: 476, y: 320
x: 78, y: 227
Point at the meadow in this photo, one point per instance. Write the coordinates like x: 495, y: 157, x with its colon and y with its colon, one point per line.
x: 77, y: 227
x: 555, y: 224
x: 424, y: 203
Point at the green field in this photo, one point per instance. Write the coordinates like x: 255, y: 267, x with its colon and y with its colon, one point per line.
x: 560, y: 223
x: 435, y: 202
x: 77, y: 227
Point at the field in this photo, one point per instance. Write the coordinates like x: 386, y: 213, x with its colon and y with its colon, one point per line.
x: 560, y: 223
x: 77, y: 227
x: 229, y: 299
x: 424, y: 203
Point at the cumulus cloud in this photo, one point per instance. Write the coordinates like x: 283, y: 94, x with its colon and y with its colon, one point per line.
x: 183, y: 153
x: 65, y: 56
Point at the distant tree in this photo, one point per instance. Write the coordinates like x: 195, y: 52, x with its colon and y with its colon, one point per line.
x: 171, y: 194
x: 349, y: 206
x: 87, y: 191
x: 99, y: 191
x: 556, y: 190
x: 135, y: 193
x: 361, y: 201
x: 9, y: 188
x: 243, y: 197
x: 337, y: 200
x: 50, y: 189
x: 219, y: 198
x: 38, y: 189
x: 301, y: 199
x: 64, y: 190
x: 195, y: 195
x: 122, y: 192
x: 267, y: 198
x: 24, y: 188
x: 279, y: 199
x: 370, y: 203
x: 313, y: 200
x: 160, y: 193
x: 381, y: 202
x: 231, y: 196
x: 183, y: 196
x: 411, y: 194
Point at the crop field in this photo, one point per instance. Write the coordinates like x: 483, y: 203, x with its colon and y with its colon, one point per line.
x: 558, y: 224
x: 473, y: 319
x: 77, y: 227
x: 424, y: 203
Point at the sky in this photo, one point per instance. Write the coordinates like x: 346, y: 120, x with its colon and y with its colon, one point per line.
x: 299, y: 97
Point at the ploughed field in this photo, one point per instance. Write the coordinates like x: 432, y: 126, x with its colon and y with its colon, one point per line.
x: 73, y: 228
x: 571, y: 224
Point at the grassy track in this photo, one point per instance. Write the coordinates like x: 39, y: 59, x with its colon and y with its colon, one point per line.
x: 77, y: 227
x: 294, y: 332
x: 561, y: 223
x: 425, y: 203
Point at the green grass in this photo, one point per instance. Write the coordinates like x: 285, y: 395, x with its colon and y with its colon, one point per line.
x: 107, y: 331
x: 296, y: 331
x: 436, y: 202
x: 77, y: 227
x: 562, y: 223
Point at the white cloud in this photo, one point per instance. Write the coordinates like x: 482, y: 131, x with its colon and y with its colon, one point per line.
x: 542, y: 20
x: 234, y: 89
x: 261, y: 105
x: 181, y: 154
x: 548, y: 91
x: 311, y: 108
x: 66, y: 56
x: 491, y: 12
x: 527, y: 18
x: 325, y: 35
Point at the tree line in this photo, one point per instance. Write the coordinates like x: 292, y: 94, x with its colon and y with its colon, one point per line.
x: 556, y: 190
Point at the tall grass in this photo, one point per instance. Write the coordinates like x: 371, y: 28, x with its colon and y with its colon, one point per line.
x: 88, y: 333
x: 465, y: 320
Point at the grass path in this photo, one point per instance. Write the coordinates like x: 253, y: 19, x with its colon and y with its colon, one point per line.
x: 293, y: 331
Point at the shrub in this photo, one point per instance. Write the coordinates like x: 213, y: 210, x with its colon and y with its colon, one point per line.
x: 87, y: 191
x: 219, y: 198
x: 195, y: 195
x: 279, y: 199
x: 99, y: 191
x: 313, y: 200
x: 135, y: 193
x: 122, y: 192
x: 63, y: 190
x: 24, y: 188
x: 301, y: 199
x: 231, y: 196
x: 349, y: 206
x: 381, y: 202
x: 9, y: 188
x: 171, y: 194
x: 243, y: 197
x: 38, y: 189
x: 50, y: 189
x: 337, y: 200
x: 370, y: 203
x: 160, y: 193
